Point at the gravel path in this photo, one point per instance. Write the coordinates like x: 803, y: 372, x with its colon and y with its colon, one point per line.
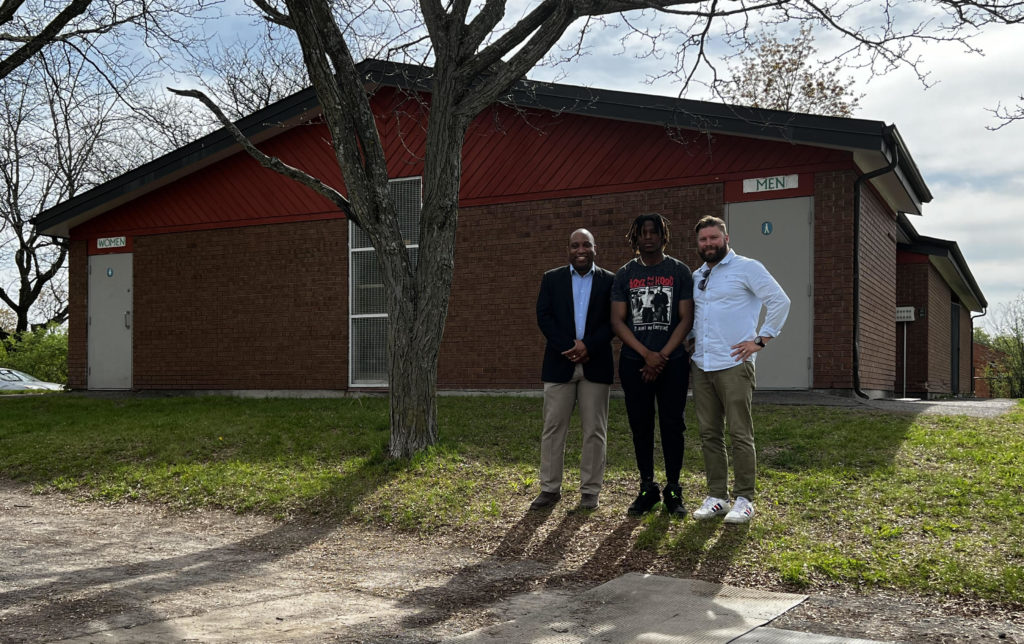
x: 86, y: 572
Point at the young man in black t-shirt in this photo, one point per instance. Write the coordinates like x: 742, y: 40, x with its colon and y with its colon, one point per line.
x: 654, y: 367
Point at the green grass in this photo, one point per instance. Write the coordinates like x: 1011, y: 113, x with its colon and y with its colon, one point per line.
x: 864, y: 499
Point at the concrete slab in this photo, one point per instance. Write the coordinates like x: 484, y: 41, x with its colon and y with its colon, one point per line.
x: 767, y: 635
x: 644, y: 608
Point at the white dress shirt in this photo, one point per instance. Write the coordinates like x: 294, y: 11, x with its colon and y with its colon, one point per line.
x: 726, y: 311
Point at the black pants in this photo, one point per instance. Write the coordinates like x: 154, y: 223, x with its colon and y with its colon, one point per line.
x: 669, y: 393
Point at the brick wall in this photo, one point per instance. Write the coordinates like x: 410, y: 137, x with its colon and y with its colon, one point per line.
x: 877, y: 294
x: 491, y: 339
x: 270, y: 302
x: 259, y: 307
x: 833, y: 286
x: 78, y: 316
x: 966, y: 340
x: 255, y: 291
x: 912, y: 290
x: 940, y: 354
x: 929, y: 360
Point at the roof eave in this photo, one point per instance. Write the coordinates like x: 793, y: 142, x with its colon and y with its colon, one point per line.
x: 872, y: 142
x: 947, y: 259
x: 203, y: 152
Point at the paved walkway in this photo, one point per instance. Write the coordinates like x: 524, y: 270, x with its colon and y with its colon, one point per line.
x: 649, y: 608
x: 980, y: 407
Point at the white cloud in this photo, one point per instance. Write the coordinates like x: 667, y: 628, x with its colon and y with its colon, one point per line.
x: 976, y: 175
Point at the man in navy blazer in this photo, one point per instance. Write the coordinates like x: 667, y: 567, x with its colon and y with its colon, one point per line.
x: 574, y: 314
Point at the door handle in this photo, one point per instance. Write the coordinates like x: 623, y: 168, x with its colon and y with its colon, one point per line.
x: 127, y: 319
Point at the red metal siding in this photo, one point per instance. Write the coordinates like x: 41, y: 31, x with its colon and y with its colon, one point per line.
x: 509, y: 156
x: 528, y: 180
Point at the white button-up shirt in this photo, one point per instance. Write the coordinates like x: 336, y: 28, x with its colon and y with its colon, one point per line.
x: 726, y: 311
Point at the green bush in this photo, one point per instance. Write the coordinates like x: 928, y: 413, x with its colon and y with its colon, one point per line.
x: 42, y: 353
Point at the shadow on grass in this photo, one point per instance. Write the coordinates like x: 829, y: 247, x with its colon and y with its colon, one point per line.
x: 518, y: 565
x: 806, y: 438
x: 502, y: 574
x: 317, y: 457
x: 707, y: 548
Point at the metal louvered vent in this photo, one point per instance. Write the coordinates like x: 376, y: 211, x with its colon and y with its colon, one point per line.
x: 368, y: 318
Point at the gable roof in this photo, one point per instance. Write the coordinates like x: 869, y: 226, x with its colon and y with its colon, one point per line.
x: 873, y: 143
x: 945, y: 256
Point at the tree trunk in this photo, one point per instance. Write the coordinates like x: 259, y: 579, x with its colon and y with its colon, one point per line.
x: 412, y: 365
x: 417, y: 314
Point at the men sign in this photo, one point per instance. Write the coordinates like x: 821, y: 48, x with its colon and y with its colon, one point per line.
x: 765, y: 184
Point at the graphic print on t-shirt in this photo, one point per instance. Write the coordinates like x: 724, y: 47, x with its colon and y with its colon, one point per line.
x: 650, y: 302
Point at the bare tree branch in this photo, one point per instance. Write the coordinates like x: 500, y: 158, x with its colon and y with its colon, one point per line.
x: 272, y: 163
x: 44, y: 37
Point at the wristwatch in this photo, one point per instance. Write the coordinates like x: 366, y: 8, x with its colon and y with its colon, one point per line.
x: 759, y: 342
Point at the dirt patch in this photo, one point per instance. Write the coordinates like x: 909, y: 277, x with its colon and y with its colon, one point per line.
x: 130, y: 572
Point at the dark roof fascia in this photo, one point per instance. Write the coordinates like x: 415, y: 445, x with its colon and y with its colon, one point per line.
x: 179, y: 160
x: 948, y: 252
x: 704, y: 116
x: 908, y: 167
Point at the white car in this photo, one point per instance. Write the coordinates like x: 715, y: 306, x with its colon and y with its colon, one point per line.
x: 13, y: 380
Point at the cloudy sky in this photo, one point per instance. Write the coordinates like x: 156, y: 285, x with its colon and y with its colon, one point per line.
x: 976, y: 176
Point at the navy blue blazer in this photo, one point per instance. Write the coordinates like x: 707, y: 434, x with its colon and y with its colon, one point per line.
x: 556, y: 321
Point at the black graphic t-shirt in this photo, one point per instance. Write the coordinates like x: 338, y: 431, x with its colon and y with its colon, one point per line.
x: 652, y: 295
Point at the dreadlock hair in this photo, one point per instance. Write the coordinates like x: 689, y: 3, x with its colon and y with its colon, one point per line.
x: 660, y: 225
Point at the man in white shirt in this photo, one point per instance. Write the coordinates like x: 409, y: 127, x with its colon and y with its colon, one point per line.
x: 727, y: 297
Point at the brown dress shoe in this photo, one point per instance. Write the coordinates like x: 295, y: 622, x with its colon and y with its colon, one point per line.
x: 588, y: 502
x: 545, y: 500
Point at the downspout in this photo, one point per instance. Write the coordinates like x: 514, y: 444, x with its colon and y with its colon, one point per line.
x: 856, y: 253
x: 983, y: 313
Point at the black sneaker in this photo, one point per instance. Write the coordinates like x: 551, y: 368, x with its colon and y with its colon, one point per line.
x: 674, y: 501
x: 650, y: 495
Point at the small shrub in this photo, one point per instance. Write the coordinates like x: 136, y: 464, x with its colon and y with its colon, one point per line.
x: 42, y: 353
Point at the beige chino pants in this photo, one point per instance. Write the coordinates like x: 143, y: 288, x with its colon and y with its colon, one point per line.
x: 559, y: 400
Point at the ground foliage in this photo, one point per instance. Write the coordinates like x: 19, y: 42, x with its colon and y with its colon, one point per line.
x: 847, y: 498
x: 42, y: 353
x: 1006, y: 373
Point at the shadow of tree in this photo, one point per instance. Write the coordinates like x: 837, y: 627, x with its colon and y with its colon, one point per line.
x: 124, y: 594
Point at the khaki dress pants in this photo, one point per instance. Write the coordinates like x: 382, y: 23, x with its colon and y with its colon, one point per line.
x: 559, y: 400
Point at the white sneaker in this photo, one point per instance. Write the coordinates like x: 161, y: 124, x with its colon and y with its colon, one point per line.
x: 712, y: 507
x: 742, y: 512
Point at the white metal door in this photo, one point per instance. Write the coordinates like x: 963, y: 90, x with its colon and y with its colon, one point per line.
x: 779, y: 234
x: 110, y: 321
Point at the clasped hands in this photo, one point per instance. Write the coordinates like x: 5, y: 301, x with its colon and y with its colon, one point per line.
x: 578, y: 354
x: 654, y: 363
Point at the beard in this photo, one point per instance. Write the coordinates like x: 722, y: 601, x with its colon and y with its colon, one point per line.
x: 716, y: 254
